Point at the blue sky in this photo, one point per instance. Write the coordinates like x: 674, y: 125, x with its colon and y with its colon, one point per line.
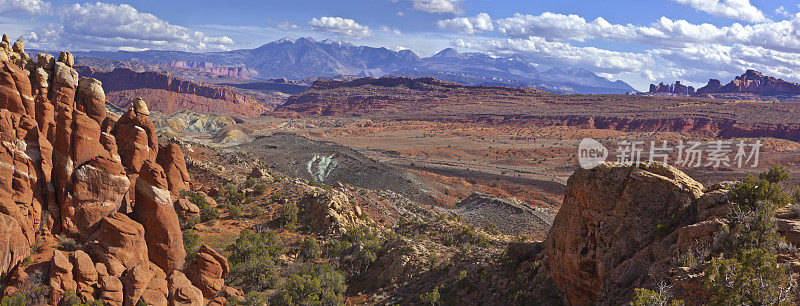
x: 640, y: 42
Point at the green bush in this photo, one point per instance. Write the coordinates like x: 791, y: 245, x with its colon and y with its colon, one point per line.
x: 755, y: 278
x: 647, y: 297
x: 234, y: 212
x: 254, y: 298
x: 431, y: 298
x: 207, y: 213
x: 314, y: 284
x: 71, y: 299
x: 310, y: 249
x: 289, y: 213
x: 232, y: 194
x: 191, y: 243
x: 252, y: 260
x: 18, y: 299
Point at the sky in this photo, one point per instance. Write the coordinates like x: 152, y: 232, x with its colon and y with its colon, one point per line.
x: 639, y: 42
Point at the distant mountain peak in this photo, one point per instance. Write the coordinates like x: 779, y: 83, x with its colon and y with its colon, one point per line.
x: 284, y: 40
x: 449, y: 52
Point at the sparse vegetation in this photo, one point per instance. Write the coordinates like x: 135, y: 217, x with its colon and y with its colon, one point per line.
x: 314, y: 284
x: 289, y: 213
x: 207, y: 213
x: 310, y: 249
x: 191, y: 243
x: 252, y: 260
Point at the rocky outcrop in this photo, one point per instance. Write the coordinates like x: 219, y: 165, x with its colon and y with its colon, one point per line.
x: 231, y: 72
x: 621, y: 224
x: 69, y: 168
x: 169, y: 94
x: 208, y: 271
x: 751, y: 82
x: 675, y: 89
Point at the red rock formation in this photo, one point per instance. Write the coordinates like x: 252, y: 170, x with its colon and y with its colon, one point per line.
x: 168, y: 94
x: 62, y: 152
x: 170, y: 156
x: 155, y: 212
x: 231, y: 72
x: 584, y: 257
x: 207, y: 271
x: 676, y: 89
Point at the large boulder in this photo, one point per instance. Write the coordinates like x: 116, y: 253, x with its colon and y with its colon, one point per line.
x: 182, y: 292
x: 154, y: 210
x: 170, y: 157
x: 119, y: 243
x: 616, y: 227
x: 208, y: 271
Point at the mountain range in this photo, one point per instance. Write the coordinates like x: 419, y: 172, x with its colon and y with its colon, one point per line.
x: 307, y: 58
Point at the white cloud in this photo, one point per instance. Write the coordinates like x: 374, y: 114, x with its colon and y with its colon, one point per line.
x: 780, y: 36
x: 390, y: 30
x: 438, y: 6
x: 733, y: 9
x: 341, y: 27
x: 103, y: 26
x: 781, y: 11
x: 554, y: 53
x: 33, y: 7
x: 468, y: 25
x: 287, y: 26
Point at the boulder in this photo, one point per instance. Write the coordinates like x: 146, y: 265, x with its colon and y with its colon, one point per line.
x: 182, y: 292
x: 154, y: 210
x: 135, y: 281
x: 119, y: 243
x: 208, y: 271
x: 170, y: 157
x: 642, y: 203
x: 91, y: 99
x: 112, y: 291
x: 186, y: 209
x: 85, y: 274
x: 61, y: 278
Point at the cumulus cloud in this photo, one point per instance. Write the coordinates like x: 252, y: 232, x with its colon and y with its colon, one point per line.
x: 340, y: 27
x: 780, y: 36
x: 468, y: 25
x: 390, y: 30
x: 104, y: 26
x: 733, y: 9
x: 554, y: 53
x: 33, y: 7
x: 438, y: 6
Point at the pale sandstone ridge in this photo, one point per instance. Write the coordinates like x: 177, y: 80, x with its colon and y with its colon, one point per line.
x: 68, y: 168
x: 604, y: 241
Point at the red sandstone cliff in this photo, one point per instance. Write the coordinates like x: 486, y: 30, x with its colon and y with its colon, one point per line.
x: 170, y: 94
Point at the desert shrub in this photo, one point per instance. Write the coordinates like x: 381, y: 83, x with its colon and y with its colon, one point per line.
x: 288, y: 214
x: 207, y: 213
x: 467, y: 235
x: 71, y: 299
x: 260, y: 188
x: 252, y: 260
x: 232, y: 194
x: 431, y: 298
x: 253, y: 298
x: 234, y: 212
x: 190, y: 222
x: 748, y: 272
x: 370, y: 241
x: 314, y: 284
x: 751, y: 190
x: 336, y: 247
x: 191, y: 243
x: 257, y: 211
x: 647, y: 297
x: 310, y: 249
x: 18, y: 299
x: 66, y: 244
x: 755, y: 278
x: 775, y: 174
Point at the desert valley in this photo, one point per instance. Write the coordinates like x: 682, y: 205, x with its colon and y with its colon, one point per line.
x: 305, y: 172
